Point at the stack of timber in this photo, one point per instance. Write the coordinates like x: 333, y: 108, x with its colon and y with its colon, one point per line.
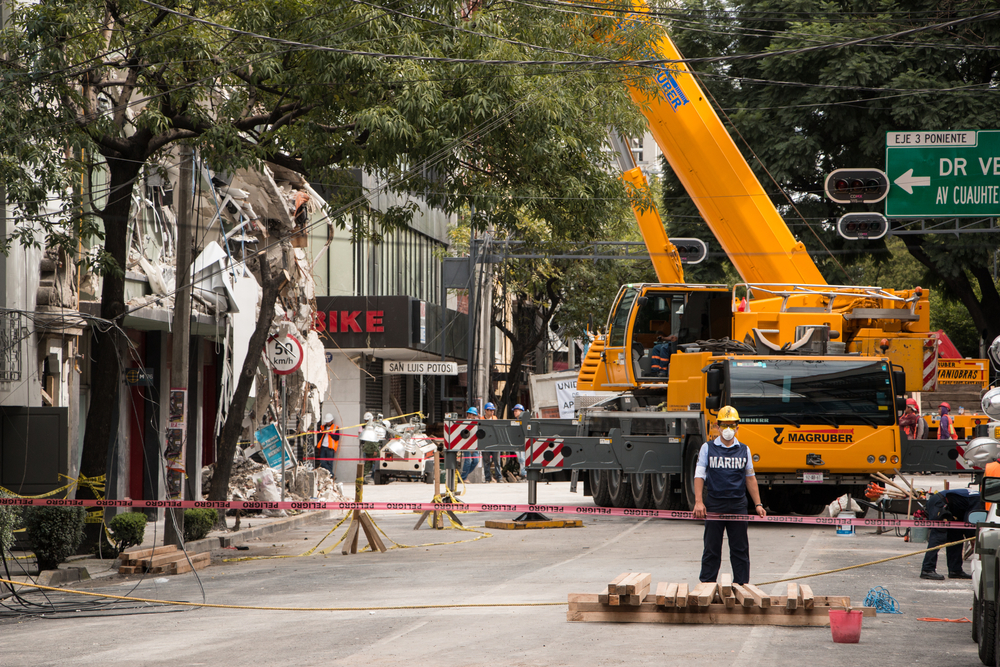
x: 167, y: 559
x: 628, y: 600
x: 628, y: 588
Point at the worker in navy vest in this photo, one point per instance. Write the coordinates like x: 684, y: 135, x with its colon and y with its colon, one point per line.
x: 723, y: 476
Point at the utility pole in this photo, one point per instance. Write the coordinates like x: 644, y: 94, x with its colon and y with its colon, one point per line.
x: 173, y: 532
x: 4, y: 17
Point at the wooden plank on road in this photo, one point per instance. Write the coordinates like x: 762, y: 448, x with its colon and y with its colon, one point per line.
x: 760, y: 598
x: 808, y: 601
x: 702, y: 594
x: 613, y: 586
x: 666, y: 594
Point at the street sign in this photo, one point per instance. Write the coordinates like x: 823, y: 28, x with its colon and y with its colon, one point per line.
x: 270, y: 442
x: 420, y: 368
x: 943, y: 174
x: 284, y: 353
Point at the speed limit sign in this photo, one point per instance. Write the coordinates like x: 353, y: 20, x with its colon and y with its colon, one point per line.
x: 284, y: 353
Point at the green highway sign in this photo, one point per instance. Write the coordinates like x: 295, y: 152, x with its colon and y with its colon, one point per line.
x: 944, y: 174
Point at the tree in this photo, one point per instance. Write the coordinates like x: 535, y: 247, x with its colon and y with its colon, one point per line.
x: 317, y: 87
x: 534, y: 296
x: 806, y: 111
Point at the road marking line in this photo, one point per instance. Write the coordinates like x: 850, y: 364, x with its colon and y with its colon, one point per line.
x: 761, y: 635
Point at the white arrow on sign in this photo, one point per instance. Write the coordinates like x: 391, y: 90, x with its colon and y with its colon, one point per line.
x: 908, y: 181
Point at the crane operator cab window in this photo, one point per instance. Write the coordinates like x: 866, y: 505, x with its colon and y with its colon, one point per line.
x: 664, y: 321
x: 655, y: 333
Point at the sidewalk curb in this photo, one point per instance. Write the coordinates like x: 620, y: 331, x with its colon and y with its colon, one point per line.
x: 239, y: 537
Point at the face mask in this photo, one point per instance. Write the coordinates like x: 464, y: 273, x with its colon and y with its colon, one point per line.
x: 728, y: 433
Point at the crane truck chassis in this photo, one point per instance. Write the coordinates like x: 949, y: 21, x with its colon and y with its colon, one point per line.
x: 620, y: 468
x: 818, y: 420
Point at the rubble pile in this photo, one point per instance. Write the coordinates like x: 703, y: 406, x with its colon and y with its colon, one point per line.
x: 252, y: 480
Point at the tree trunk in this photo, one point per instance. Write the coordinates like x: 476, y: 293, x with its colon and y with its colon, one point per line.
x: 107, y: 367
x: 233, y: 426
x: 530, y: 328
x: 989, y: 303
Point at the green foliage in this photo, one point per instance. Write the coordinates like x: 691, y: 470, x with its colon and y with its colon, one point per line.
x: 94, y: 93
x: 127, y: 530
x: 54, y: 533
x: 198, y: 522
x: 9, y: 518
x: 806, y: 110
x: 898, y: 269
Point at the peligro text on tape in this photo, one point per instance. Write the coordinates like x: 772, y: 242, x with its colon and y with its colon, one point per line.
x: 488, y: 507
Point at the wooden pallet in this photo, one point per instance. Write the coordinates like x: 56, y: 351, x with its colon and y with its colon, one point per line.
x: 162, y: 560
x: 509, y: 524
x: 627, y: 600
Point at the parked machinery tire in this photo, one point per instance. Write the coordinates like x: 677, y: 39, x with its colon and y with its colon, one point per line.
x: 667, y: 491
x: 987, y: 632
x: 599, y: 488
x: 975, y: 613
x: 809, y: 509
x: 660, y: 489
x: 642, y: 490
x: 777, y: 500
x: 378, y: 478
x: 990, y: 658
x: 620, y: 489
x: 429, y: 476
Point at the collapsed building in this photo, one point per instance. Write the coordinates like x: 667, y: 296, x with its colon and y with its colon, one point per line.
x: 51, y: 314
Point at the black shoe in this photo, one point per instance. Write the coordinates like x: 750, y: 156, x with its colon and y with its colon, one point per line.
x: 959, y: 575
x: 932, y: 575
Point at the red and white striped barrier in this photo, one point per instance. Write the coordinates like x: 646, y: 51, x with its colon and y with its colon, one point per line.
x: 578, y: 510
x: 930, y: 364
x: 461, y: 435
x: 544, y: 452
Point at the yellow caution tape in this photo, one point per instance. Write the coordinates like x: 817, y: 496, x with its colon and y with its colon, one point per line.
x: 874, y: 562
x: 179, y: 603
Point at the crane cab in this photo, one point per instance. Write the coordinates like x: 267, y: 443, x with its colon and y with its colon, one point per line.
x: 647, y: 324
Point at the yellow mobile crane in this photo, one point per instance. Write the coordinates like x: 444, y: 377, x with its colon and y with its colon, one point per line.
x: 816, y: 371
x: 817, y: 419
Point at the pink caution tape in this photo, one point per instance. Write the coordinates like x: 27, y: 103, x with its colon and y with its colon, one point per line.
x: 579, y: 510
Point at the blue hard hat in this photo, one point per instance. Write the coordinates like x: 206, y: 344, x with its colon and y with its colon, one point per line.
x: 472, y: 411
x: 489, y: 406
x: 519, y: 407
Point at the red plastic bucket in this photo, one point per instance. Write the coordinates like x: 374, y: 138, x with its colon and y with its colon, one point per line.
x: 845, y: 625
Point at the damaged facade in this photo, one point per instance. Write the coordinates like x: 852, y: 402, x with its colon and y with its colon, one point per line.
x: 50, y: 316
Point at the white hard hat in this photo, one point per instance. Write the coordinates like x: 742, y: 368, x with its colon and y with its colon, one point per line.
x: 327, y: 418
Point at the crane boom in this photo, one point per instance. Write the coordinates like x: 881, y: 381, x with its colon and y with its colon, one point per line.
x: 662, y: 253
x: 707, y: 162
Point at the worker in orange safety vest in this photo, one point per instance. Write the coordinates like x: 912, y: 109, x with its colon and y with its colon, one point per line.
x: 328, y: 443
x: 992, y: 470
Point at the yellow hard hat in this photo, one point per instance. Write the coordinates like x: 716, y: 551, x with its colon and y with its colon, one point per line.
x: 728, y: 414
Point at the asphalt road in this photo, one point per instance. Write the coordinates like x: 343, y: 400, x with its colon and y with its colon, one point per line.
x: 508, y: 567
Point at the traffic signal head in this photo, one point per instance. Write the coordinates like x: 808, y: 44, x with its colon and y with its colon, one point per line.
x: 857, y: 186
x: 691, y: 251
x: 862, y: 226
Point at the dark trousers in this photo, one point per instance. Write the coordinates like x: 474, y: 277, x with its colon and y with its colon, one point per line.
x: 739, y: 543
x: 491, y: 466
x: 938, y: 536
x: 327, y: 454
